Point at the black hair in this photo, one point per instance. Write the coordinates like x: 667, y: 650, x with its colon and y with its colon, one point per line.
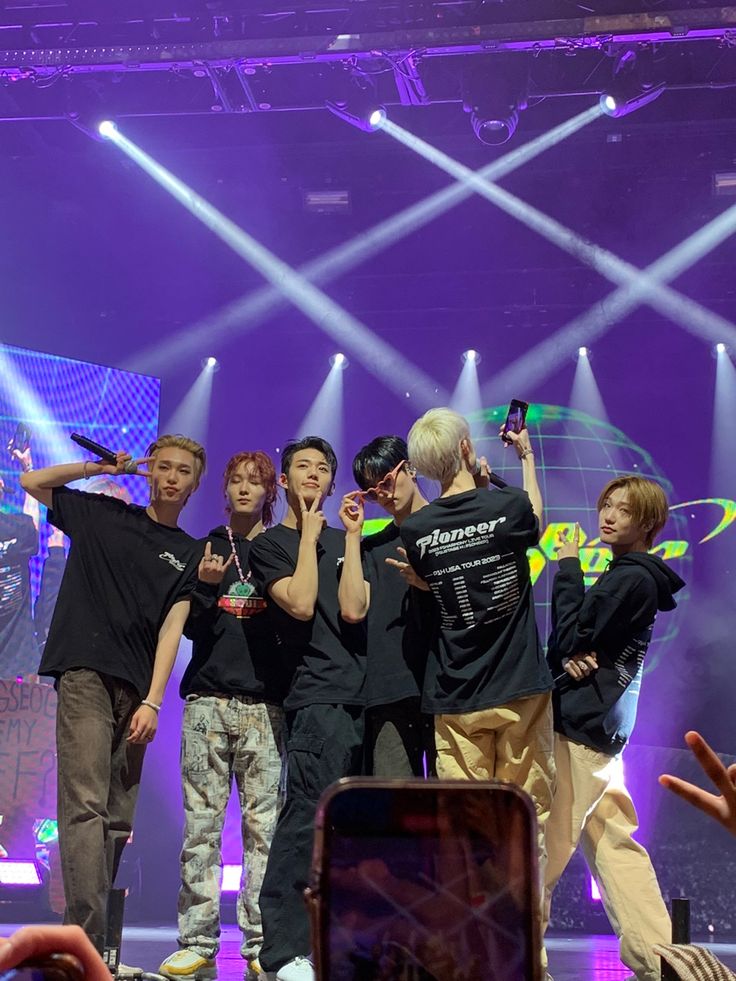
x: 308, y: 443
x: 378, y: 458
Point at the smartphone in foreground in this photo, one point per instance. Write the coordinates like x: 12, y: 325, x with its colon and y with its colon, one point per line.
x: 515, y: 418
x: 425, y: 880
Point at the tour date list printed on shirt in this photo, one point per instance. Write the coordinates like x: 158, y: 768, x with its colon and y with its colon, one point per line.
x: 470, y: 549
x: 493, y: 578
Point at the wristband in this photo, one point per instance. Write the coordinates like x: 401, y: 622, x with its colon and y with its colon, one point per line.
x: 84, y: 469
x: 151, y: 705
x: 526, y: 453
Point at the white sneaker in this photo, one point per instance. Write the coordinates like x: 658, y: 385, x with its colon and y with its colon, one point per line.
x: 187, y: 965
x: 125, y: 973
x: 298, y: 969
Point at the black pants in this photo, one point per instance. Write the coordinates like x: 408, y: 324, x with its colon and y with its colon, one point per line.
x: 323, y: 743
x: 399, y: 738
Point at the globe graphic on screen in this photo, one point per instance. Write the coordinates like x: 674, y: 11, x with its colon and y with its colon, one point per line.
x: 576, y: 455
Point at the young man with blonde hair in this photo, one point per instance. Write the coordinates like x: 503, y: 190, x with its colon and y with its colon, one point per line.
x: 599, y: 641
x: 111, y: 647
x: 487, y: 682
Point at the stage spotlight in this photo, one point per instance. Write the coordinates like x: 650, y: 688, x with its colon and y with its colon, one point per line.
x: 472, y: 356
x: 633, y: 84
x: 494, y: 96
x: 494, y: 130
x: 619, y: 103
x: 106, y: 128
x: 582, y: 352
x: 210, y: 363
x: 720, y: 348
x: 360, y: 110
x: 339, y: 361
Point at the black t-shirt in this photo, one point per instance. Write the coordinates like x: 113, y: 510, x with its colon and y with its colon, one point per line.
x: 124, y: 573
x: 231, y: 655
x: 327, y: 653
x: 18, y: 542
x: 400, y: 624
x: 470, y: 548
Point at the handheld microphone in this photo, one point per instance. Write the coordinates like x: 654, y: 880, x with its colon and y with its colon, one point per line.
x: 109, y: 456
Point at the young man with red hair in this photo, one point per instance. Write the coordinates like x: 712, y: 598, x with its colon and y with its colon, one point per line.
x: 233, y: 687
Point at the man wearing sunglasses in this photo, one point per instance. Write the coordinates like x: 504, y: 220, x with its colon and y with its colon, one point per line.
x: 399, y: 615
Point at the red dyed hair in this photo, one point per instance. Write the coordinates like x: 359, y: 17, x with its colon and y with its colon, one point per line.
x: 261, y: 466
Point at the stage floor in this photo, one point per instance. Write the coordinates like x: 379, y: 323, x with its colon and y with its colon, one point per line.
x: 572, y: 958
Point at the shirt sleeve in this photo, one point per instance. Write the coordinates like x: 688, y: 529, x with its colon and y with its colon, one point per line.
x: 408, y: 540
x: 269, y: 562
x: 72, y: 510
x: 27, y: 539
x: 526, y: 523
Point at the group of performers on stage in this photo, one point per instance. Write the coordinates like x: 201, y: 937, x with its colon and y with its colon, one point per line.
x: 410, y: 652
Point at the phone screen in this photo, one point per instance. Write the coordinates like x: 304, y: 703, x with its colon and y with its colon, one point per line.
x: 515, y: 418
x: 429, y: 884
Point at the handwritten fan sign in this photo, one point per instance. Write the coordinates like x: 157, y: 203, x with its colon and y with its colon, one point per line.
x: 27, y: 748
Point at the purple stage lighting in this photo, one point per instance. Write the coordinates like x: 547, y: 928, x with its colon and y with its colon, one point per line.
x: 720, y: 348
x: 339, y: 361
x: 472, y: 356
x: 583, y: 352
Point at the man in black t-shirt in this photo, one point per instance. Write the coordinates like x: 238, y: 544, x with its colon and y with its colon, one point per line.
x: 297, y: 565
x: 111, y: 647
x: 18, y: 543
x: 399, y: 615
x: 487, y: 681
x: 234, y: 687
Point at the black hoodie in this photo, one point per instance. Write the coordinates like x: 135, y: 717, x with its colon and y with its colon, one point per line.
x: 231, y: 656
x: 614, y: 618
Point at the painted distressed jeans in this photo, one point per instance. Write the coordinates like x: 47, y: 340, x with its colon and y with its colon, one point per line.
x: 226, y: 738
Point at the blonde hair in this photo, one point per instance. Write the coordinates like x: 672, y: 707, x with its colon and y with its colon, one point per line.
x: 182, y: 443
x: 647, y: 502
x: 434, y: 444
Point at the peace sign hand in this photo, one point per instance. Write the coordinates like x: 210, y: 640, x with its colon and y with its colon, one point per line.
x: 212, y: 567
x: 312, y: 520
x: 568, y: 548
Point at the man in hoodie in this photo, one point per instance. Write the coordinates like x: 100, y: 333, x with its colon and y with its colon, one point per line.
x: 598, y: 643
x: 232, y: 728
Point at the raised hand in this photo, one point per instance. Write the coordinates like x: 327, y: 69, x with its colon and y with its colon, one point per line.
x: 352, y: 513
x: 579, y: 666
x: 721, y: 808
x: 212, y: 567
x: 311, y: 519
x: 24, y: 457
x: 520, y: 441
x: 568, y: 548
x: 406, y: 571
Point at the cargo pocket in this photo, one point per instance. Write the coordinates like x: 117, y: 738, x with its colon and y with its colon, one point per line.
x: 306, y: 770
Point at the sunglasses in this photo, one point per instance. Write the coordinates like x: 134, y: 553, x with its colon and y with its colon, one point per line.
x: 385, y: 486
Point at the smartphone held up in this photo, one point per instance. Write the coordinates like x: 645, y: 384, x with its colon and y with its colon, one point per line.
x: 515, y: 419
x: 433, y: 881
